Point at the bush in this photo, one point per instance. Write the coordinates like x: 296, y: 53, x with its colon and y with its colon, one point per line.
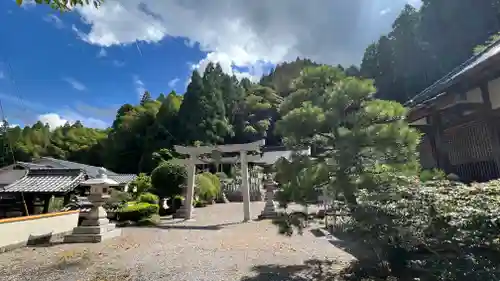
x: 439, y: 228
x: 430, y: 175
x: 167, y: 179
x: 137, y: 211
x: 148, y: 198
x: 207, y: 186
x: 140, y: 184
x: 200, y: 203
x: 117, y: 199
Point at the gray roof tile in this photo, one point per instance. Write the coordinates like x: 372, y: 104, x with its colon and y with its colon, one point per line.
x: 10, y: 176
x: 47, y: 180
x: 92, y: 171
x: 122, y: 178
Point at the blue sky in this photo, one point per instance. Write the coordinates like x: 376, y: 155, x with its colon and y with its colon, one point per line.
x: 84, y: 64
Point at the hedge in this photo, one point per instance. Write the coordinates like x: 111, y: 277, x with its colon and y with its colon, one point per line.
x: 137, y: 211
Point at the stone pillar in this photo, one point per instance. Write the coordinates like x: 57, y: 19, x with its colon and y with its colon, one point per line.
x: 245, y: 186
x: 186, y: 210
x: 95, y: 227
x: 269, y: 211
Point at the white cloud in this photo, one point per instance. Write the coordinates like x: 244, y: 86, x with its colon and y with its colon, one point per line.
x: 77, y: 85
x: 246, y: 34
x: 55, y: 20
x: 173, y: 82
x: 55, y: 120
x: 139, y: 86
x: 102, y: 53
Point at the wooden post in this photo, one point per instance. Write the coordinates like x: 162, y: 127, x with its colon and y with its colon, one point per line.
x: 443, y: 161
x: 46, y: 203
x: 26, y: 212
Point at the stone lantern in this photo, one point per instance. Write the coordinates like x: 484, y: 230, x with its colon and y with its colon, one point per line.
x: 269, y: 211
x: 95, y: 227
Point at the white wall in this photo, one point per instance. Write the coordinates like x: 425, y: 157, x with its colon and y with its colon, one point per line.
x: 474, y: 95
x: 494, y: 89
x: 16, y: 231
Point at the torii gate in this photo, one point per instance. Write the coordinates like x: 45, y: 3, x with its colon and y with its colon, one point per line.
x: 195, y: 151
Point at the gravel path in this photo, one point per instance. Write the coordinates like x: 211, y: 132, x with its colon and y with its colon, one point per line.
x: 216, y: 246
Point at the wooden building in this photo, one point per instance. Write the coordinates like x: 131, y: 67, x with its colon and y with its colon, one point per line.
x: 28, y: 188
x: 459, y: 116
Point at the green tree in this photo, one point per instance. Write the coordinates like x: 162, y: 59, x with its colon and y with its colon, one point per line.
x: 360, y: 135
x: 140, y: 185
x: 202, y: 113
x: 62, y: 5
x: 300, y: 179
x: 168, y: 179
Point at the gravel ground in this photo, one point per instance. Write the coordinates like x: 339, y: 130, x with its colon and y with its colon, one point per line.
x: 215, y: 246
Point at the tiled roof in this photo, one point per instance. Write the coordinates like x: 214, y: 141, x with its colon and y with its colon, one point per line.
x: 10, y: 176
x: 92, y: 171
x: 272, y: 156
x: 29, y: 165
x: 122, y: 178
x: 457, y: 73
x: 47, y: 180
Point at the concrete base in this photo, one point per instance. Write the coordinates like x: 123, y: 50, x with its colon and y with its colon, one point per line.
x: 92, y: 238
x: 181, y: 213
x: 93, y: 229
x: 269, y: 215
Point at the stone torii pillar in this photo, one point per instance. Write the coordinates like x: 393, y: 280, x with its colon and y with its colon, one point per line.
x: 186, y: 210
x: 245, y: 186
x: 195, y: 151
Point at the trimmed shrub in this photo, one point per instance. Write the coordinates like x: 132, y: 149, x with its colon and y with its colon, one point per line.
x: 117, y: 199
x: 148, y: 198
x: 138, y: 211
x: 167, y: 179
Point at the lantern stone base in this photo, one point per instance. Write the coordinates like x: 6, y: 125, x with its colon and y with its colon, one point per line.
x: 94, y: 229
x: 269, y: 211
x: 92, y: 237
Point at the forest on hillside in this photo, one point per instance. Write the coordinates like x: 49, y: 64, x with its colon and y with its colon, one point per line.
x: 423, y: 45
x: 427, y: 43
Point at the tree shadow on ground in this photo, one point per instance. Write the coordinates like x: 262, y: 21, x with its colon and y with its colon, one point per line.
x: 177, y: 225
x: 317, y: 270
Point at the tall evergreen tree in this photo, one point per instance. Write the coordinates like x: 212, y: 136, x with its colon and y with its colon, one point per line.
x: 202, y: 113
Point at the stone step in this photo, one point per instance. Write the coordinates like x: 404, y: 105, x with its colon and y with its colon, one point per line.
x: 92, y: 238
x: 94, y: 229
